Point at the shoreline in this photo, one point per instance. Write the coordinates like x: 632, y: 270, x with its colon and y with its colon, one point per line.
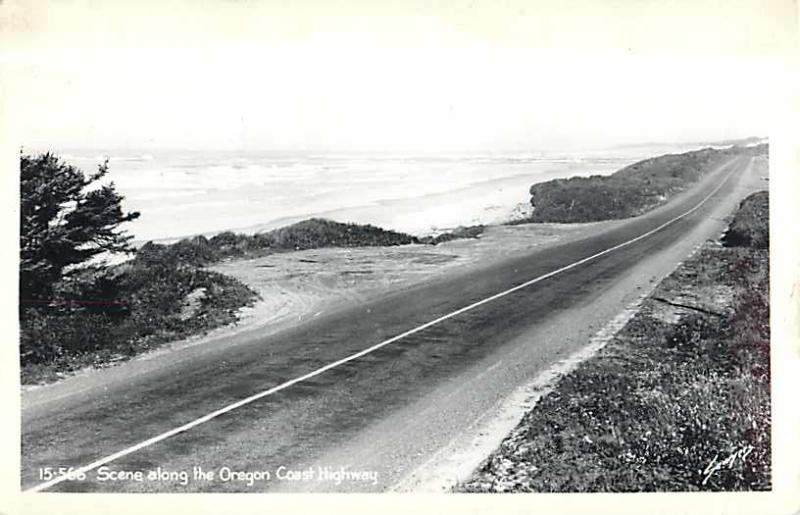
x: 466, y: 202
x: 463, y: 205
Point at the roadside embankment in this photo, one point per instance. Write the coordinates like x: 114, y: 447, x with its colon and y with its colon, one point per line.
x: 679, y: 400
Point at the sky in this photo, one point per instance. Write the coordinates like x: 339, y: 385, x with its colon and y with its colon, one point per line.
x: 392, y: 77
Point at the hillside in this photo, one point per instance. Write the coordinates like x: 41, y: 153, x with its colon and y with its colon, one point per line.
x: 628, y: 192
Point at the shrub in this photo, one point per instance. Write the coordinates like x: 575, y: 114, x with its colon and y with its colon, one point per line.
x: 750, y: 225
x: 472, y: 231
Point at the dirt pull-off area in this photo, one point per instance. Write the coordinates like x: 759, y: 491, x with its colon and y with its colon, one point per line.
x: 677, y: 401
x: 295, y: 285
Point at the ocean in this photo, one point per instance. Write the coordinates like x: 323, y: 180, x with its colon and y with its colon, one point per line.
x: 182, y: 193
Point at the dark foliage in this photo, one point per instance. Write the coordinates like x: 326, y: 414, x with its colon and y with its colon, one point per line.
x: 317, y: 232
x: 117, y: 313
x: 66, y: 219
x: 750, y: 225
x: 472, y: 231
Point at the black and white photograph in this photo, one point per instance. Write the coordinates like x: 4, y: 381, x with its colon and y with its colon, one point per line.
x: 400, y: 248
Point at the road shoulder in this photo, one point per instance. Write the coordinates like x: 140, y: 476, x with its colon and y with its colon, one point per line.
x: 678, y: 400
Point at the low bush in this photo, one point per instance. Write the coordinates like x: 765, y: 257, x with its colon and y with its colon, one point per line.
x: 750, y: 225
x: 472, y: 231
x: 318, y: 232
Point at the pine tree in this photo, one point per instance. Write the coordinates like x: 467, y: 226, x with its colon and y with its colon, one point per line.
x: 66, y: 219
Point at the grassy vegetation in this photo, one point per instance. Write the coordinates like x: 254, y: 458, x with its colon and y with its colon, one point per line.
x: 99, y: 318
x: 678, y: 401
x: 628, y: 192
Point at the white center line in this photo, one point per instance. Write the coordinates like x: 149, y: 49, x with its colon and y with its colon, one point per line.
x: 238, y: 404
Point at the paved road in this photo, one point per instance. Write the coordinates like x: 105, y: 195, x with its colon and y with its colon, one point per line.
x: 386, y: 411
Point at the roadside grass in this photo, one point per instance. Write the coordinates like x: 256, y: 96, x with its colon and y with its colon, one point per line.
x: 628, y: 192
x: 679, y: 400
x: 146, y: 306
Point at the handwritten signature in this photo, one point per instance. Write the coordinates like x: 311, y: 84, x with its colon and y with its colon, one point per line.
x: 716, y: 465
